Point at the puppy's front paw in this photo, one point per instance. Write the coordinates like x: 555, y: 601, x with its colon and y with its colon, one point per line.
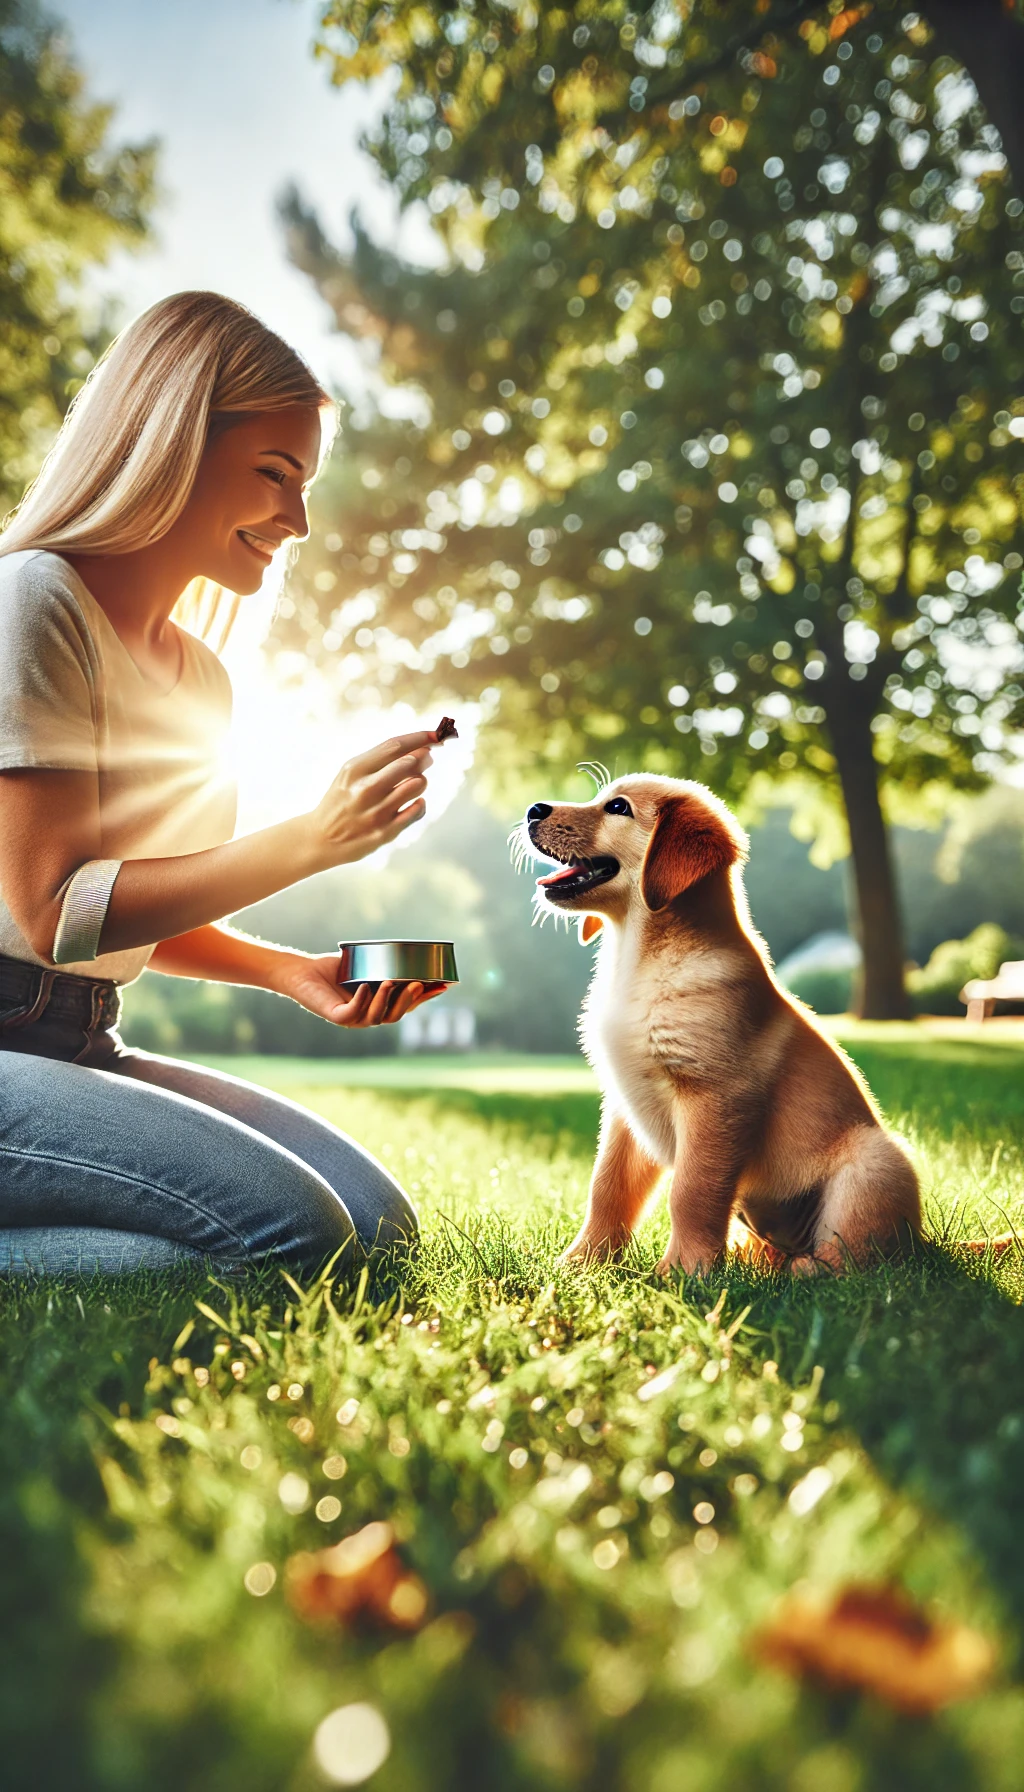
x: 586, y: 1250
x: 692, y: 1259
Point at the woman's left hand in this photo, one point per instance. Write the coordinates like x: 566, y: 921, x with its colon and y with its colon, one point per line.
x: 312, y: 982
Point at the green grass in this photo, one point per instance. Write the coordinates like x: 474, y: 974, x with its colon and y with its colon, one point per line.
x: 584, y: 1631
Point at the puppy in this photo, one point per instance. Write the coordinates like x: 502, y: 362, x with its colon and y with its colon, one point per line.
x: 706, y: 1065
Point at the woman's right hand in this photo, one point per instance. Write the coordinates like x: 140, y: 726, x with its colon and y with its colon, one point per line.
x: 373, y: 799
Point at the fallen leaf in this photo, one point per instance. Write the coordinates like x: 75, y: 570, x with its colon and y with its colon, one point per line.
x: 361, y: 1578
x: 874, y: 1639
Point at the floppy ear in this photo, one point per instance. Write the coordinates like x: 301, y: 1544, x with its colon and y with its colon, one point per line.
x: 689, y: 842
x: 588, y: 926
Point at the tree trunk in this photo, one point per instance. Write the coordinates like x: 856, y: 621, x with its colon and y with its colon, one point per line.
x: 988, y: 39
x: 882, y: 993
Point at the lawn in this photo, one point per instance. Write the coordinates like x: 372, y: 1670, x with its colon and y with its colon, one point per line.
x: 600, y: 1487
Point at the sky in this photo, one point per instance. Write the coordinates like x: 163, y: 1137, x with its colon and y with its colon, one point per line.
x: 241, y: 108
x: 232, y: 91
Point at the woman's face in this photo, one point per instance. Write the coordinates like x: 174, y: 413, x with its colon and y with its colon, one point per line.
x: 249, y: 494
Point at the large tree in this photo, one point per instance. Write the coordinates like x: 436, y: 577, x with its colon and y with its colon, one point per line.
x: 68, y: 198
x: 714, y: 469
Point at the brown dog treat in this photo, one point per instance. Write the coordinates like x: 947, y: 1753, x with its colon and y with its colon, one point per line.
x: 446, y: 730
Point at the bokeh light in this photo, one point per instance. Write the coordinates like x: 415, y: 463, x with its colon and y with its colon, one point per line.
x: 350, y: 1744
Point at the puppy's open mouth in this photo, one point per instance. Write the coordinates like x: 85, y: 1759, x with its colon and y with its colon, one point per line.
x: 579, y: 876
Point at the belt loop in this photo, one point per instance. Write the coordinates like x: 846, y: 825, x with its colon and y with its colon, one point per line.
x: 97, y: 994
x: 23, y: 1017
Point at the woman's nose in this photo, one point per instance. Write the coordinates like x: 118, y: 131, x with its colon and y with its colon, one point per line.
x: 538, y: 812
x: 297, y: 518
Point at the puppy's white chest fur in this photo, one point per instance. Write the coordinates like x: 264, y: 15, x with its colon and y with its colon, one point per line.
x: 621, y: 1037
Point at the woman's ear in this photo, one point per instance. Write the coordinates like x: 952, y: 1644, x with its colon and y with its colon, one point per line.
x: 588, y: 926
x: 689, y: 842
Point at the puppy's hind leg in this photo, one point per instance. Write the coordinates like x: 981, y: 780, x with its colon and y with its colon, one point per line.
x: 623, y: 1179
x: 870, y: 1207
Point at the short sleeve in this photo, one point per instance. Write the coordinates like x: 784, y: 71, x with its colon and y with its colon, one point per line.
x: 48, y: 675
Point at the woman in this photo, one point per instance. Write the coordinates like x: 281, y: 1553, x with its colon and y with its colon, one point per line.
x: 179, y: 474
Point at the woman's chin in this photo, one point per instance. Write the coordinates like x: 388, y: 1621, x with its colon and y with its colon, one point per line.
x: 245, y: 575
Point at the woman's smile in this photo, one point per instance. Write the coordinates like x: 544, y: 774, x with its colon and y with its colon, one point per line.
x: 261, y: 545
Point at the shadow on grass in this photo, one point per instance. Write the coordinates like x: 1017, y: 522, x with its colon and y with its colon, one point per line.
x: 52, y: 1662
x: 925, y: 1362
x: 568, y: 1118
x: 925, y: 1358
x: 947, y: 1085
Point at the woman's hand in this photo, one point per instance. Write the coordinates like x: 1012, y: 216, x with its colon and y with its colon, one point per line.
x: 373, y: 799
x: 312, y: 982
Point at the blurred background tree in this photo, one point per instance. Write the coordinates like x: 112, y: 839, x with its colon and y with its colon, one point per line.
x: 709, y: 461
x: 68, y: 199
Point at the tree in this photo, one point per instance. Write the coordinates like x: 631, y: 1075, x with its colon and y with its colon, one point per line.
x: 68, y: 198
x: 716, y: 459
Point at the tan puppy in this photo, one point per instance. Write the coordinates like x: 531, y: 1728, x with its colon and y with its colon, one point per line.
x: 706, y: 1065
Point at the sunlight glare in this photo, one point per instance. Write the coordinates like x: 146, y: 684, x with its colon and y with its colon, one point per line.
x: 288, y: 740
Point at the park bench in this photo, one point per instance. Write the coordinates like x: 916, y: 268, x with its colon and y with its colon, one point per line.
x: 982, y: 993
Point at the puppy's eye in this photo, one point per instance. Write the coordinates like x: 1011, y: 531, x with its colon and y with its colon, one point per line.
x: 617, y: 806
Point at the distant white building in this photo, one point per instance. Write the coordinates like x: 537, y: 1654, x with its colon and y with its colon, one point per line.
x: 438, y: 1026
x: 822, y: 952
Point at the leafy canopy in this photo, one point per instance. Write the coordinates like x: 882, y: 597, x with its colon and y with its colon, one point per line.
x: 715, y: 435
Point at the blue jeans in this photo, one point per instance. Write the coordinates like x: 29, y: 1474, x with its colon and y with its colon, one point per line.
x: 112, y: 1159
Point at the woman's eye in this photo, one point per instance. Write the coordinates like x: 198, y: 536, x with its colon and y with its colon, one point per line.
x: 273, y: 473
x: 617, y: 806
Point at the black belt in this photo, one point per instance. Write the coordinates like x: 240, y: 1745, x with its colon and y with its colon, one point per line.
x: 89, y: 1002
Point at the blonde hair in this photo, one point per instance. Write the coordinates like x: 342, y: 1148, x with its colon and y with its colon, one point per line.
x: 122, y: 467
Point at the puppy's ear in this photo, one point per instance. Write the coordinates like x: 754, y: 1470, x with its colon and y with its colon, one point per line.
x: 588, y: 926
x: 689, y: 842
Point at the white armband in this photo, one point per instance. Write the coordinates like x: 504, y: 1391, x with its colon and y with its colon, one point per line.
x: 83, y: 912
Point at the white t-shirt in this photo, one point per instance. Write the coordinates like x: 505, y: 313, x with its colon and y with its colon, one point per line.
x: 73, y: 699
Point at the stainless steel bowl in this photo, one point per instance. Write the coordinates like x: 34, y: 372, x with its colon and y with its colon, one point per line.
x: 396, y: 961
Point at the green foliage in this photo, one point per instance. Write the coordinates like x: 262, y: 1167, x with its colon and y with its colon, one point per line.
x: 493, y: 1412
x: 936, y: 988
x: 826, y: 991
x: 717, y: 383
x: 166, y: 1014
x: 68, y: 200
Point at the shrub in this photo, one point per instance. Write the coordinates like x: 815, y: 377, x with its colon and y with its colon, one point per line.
x: 936, y: 988
x: 828, y: 990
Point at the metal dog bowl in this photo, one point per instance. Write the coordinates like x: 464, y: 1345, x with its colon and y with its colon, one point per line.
x: 396, y: 961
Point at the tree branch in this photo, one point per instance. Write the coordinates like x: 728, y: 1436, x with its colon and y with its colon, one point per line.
x: 764, y: 25
x: 983, y: 36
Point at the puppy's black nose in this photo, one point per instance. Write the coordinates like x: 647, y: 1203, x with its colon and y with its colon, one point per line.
x: 538, y: 812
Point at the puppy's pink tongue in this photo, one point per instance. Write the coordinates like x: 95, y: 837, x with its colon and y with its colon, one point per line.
x: 557, y: 877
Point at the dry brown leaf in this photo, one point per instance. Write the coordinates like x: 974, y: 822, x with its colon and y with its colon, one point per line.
x: 873, y: 1639
x: 361, y: 1578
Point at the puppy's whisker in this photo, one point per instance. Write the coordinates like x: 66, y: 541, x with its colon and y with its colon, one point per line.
x: 520, y: 846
